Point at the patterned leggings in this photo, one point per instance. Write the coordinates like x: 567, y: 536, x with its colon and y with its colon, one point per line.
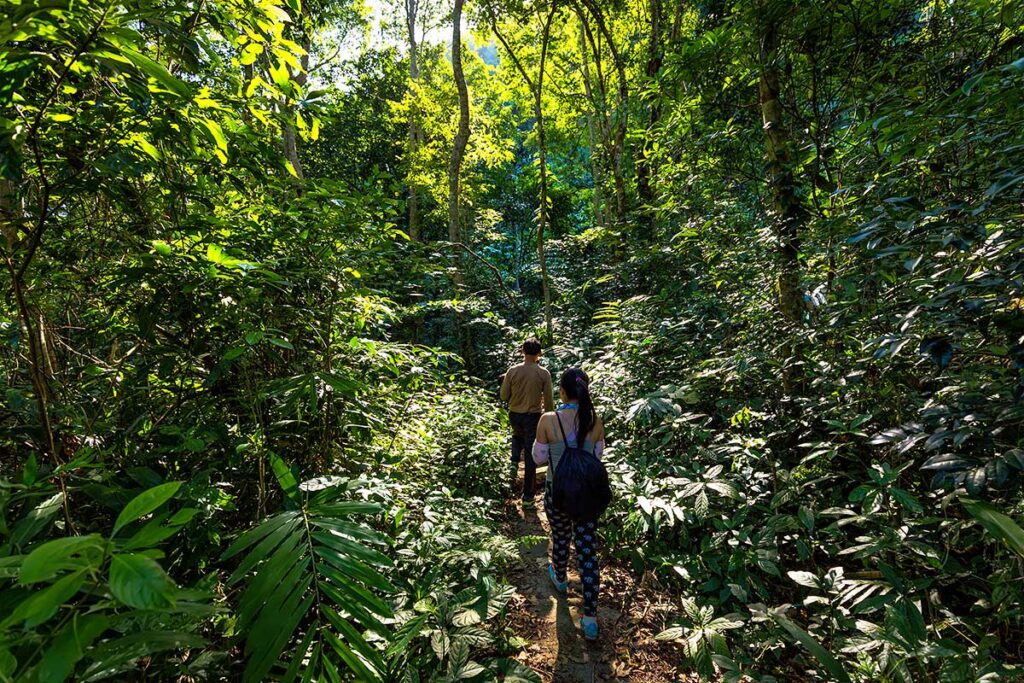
x: 563, y: 530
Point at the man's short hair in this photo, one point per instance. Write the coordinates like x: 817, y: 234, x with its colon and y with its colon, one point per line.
x: 531, y: 347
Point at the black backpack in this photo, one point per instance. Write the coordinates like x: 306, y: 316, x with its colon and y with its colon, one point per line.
x: 580, y: 488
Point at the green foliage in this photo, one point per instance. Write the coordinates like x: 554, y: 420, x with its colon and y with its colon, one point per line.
x: 312, y: 568
x: 83, y: 607
x: 810, y: 369
x: 702, y: 637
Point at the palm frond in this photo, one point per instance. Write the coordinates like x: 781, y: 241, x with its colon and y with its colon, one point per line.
x: 312, y: 580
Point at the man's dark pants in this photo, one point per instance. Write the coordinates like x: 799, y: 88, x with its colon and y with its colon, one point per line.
x: 524, y: 432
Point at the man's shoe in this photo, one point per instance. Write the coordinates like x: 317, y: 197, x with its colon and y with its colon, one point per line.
x: 589, y: 626
x: 560, y: 586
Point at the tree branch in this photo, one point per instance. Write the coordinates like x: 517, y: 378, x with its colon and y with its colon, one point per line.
x: 497, y: 275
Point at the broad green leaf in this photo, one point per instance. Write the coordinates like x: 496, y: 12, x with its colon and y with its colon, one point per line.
x: 145, y: 503
x: 148, y: 148
x: 216, y: 132
x: 269, y: 635
x: 10, y: 566
x: 356, y: 640
x: 162, y: 248
x: 158, y: 73
x: 440, y: 643
x: 116, y: 655
x: 512, y: 671
x: 351, y: 659
x: 807, y: 579
x: 671, y: 633
x: 287, y: 481
x: 59, y: 555
x: 156, y: 531
x: 253, y: 536
x: 139, y: 581
x: 40, y: 606
x: 35, y: 521
x: 8, y: 664
x: 69, y: 646
x: 996, y: 523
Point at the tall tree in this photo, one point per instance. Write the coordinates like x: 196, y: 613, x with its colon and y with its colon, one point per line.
x: 412, y: 16
x: 643, y: 164
x: 617, y: 128
x: 788, y: 213
x: 299, y: 77
x: 462, y: 134
x: 595, y: 165
x: 536, y: 88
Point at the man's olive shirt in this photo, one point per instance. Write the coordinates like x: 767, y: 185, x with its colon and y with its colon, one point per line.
x: 527, y: 388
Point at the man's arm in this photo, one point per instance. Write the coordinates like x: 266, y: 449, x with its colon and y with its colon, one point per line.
x: 549, y: 402
x: 506, y: 387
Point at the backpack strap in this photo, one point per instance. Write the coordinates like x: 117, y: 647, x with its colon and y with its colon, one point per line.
x: 561, y: 429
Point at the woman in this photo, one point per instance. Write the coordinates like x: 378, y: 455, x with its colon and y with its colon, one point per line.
x: 578, y: 421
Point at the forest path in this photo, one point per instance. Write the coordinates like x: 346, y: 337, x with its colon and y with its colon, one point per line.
x: 627, y: 613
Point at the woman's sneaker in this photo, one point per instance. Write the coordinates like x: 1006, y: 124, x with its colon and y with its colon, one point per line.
x: 560, y: 586
x: 589, y: 626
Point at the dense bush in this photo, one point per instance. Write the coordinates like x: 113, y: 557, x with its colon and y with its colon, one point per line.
x: 254, y: 327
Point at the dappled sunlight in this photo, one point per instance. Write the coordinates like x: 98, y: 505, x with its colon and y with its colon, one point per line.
x: 294, y: 293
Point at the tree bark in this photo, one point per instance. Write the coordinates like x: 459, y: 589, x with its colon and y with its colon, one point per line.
x: 462, y: 134
x: 288, y: 135
x: 788, y: 212
x: 291, y: 146
x: 415, y: 129
x: 643, y: 165
x: 595, y: 166
x: 542, y: 214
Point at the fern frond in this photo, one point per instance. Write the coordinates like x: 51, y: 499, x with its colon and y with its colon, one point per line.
x: 312, y: 580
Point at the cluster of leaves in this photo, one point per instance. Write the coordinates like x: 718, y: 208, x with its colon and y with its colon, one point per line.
x: 210, y: 289
x: 202, y: 391
x: 376, y: 578
x: 848, y: 481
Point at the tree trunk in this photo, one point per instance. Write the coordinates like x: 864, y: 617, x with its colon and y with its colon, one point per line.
x: 788, y: 213
x: 291, y: 146
x: 620, y: 116
x: 542, y: 212
x: 462, y: 135
x: 537, y: 90
x: 288, y: 135
x: 9, y: 219
x: 595, y: 167
x: 643, y: 165
x: 415, y: 129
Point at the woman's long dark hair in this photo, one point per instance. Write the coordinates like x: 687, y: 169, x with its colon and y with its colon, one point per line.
x: 576, y: 386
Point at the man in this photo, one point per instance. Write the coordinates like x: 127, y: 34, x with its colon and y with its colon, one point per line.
x: 527, y: 388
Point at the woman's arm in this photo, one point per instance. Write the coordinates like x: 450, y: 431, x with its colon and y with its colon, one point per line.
x: 598, y: 438
x: 541, y: 449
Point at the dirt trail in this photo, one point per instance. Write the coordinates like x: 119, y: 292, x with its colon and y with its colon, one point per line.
x: 628, y: 614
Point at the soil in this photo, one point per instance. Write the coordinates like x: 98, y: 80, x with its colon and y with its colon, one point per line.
x: 630, y: 613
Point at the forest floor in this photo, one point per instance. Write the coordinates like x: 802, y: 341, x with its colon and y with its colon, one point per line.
x: 630, y: 613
